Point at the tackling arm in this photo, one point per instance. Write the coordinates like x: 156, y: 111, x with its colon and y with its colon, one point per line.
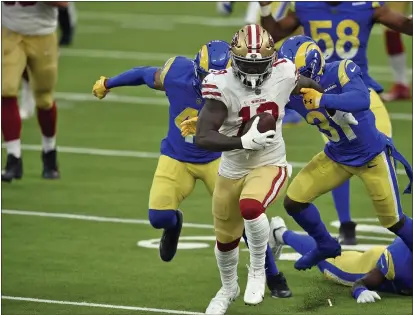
x: 210, y: 119
x: 137, y: 76
x: 304, y: 82
x: 278, y: 29
x: 394, y: 20
x: 371, y: 281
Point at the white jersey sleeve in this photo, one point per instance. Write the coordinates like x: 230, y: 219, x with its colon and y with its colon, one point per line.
x: 287, y: 72
x: 215, y: 87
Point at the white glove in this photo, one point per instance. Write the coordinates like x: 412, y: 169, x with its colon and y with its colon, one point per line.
x: 255, y: 140
x: 368, y: 297
x: 344, y: 118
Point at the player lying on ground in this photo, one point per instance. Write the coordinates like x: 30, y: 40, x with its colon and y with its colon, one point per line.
x: 381, y: 268
x: 253, y: 167
x: 342, y: 38
x: 181, y: 162
x: 29, y: 39
x: 355, y: 148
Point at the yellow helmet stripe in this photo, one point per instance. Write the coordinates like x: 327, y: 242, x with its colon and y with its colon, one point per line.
x: 302, y: 53
x: 229, y: 63
x: 203, y: 62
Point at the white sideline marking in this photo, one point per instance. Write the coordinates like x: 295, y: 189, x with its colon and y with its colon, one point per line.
x: 161, y: 101
x: 87, y: 304
x: 94, y: 218
x: 156, y: 56
x: 124, y: 153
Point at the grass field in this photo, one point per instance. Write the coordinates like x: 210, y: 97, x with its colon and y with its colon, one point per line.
x: 75, y: 240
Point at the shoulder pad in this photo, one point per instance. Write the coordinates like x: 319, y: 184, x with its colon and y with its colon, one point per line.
x: 175, y: 67
x: 346, y: 70
x: 214, y: 85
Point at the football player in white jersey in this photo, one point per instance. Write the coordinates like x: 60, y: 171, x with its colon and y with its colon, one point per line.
x: 28, y: 30
x: 253, y: 168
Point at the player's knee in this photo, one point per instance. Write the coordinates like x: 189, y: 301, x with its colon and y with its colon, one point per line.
x: 162, y: 219
x: 251, y: 208
x: 292, y: 206
x: 394, y: 225
x: 226, y: 247
x: 44, y: 100
x: 8, y: 89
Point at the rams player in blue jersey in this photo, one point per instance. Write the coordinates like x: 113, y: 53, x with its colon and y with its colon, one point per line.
x: 382, y: 268
x: 342, y: 31
x: 181, y: 162
x: 355, y: 148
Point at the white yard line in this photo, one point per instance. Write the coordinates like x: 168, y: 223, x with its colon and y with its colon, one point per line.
x: 94, y: 218
x: 162, y: 57
x: 161, y: 101
x: 96, y: 305
x: 125, y: 153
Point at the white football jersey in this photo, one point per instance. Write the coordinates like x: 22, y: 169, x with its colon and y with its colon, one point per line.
x: 29, y: 18
x: 243, y: 103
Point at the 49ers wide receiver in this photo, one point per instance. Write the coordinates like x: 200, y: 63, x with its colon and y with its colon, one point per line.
x: 253, y: 167
x: 28, y: 30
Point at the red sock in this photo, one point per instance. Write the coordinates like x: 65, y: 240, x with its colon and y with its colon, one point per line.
x: 394, y: 43
x: 47, y: 119
x: 25, y: 75
x: 11, y: 123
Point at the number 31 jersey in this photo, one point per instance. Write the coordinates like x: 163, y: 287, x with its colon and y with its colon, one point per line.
x: 243, y: 103
x: 342, y: 31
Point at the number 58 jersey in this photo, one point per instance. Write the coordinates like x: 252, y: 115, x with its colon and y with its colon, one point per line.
x: 243, y: 103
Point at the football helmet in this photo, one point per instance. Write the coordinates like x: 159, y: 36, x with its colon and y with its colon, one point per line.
x: 306, y: 55
x: 252, y: 55
x: 213, y: 56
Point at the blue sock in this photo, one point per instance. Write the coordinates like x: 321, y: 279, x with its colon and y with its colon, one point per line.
x: 162, y: 219
x: 341, y: 197
x: 406, y: 232
x: 302, y: 244
x: 309, y: 219
x: 270, y: 266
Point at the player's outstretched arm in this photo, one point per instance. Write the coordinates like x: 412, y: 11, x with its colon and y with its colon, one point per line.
x: 210, y: 119
x: 394, y: 20
x: 278, y: 29
x: 304, y: 82
x: 361, y: 290
x: 150, y: 76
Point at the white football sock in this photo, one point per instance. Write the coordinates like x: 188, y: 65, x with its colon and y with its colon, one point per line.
x: 258, y: 232
x: 253, y: 13
x: 49, y: 143
x: 227, y: 265
x: 398, y: 65
x: 14, y: 148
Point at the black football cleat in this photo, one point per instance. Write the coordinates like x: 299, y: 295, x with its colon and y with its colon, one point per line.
x: 170, y: 238
x: 278, y: 286
x: 13, y: 170
x: 50, y: 169
x: 348, y: 233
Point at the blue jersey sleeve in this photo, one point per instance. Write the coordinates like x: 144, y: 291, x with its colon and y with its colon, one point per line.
x: 386, y: 265
x: 173, y: 70
x: 354, y: 96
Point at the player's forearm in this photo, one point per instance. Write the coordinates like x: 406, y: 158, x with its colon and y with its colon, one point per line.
x: 212, y: 140
x: 351, y: 101
x: 273, y: 27
x: 133, y: 77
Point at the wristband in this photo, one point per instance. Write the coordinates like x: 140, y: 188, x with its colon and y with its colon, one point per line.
x: 265, y: 10
x: 357, y: 291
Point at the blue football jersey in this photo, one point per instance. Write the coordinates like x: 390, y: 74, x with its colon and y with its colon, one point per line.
x: 352, y: 145
x: 183, y: 89
x: 342, y: 31
x: 396, y: 264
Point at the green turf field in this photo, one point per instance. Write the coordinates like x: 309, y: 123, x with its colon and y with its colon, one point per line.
x: 63, y: 250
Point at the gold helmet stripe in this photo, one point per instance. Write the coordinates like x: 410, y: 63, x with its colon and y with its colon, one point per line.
x: 302, y: 53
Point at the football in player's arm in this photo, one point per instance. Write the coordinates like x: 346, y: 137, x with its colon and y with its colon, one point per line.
x: 213, y: 115
x: 287, y: 25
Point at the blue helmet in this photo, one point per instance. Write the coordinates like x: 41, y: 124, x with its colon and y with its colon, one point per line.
x: 214, y: 55
x: 306, y: 55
